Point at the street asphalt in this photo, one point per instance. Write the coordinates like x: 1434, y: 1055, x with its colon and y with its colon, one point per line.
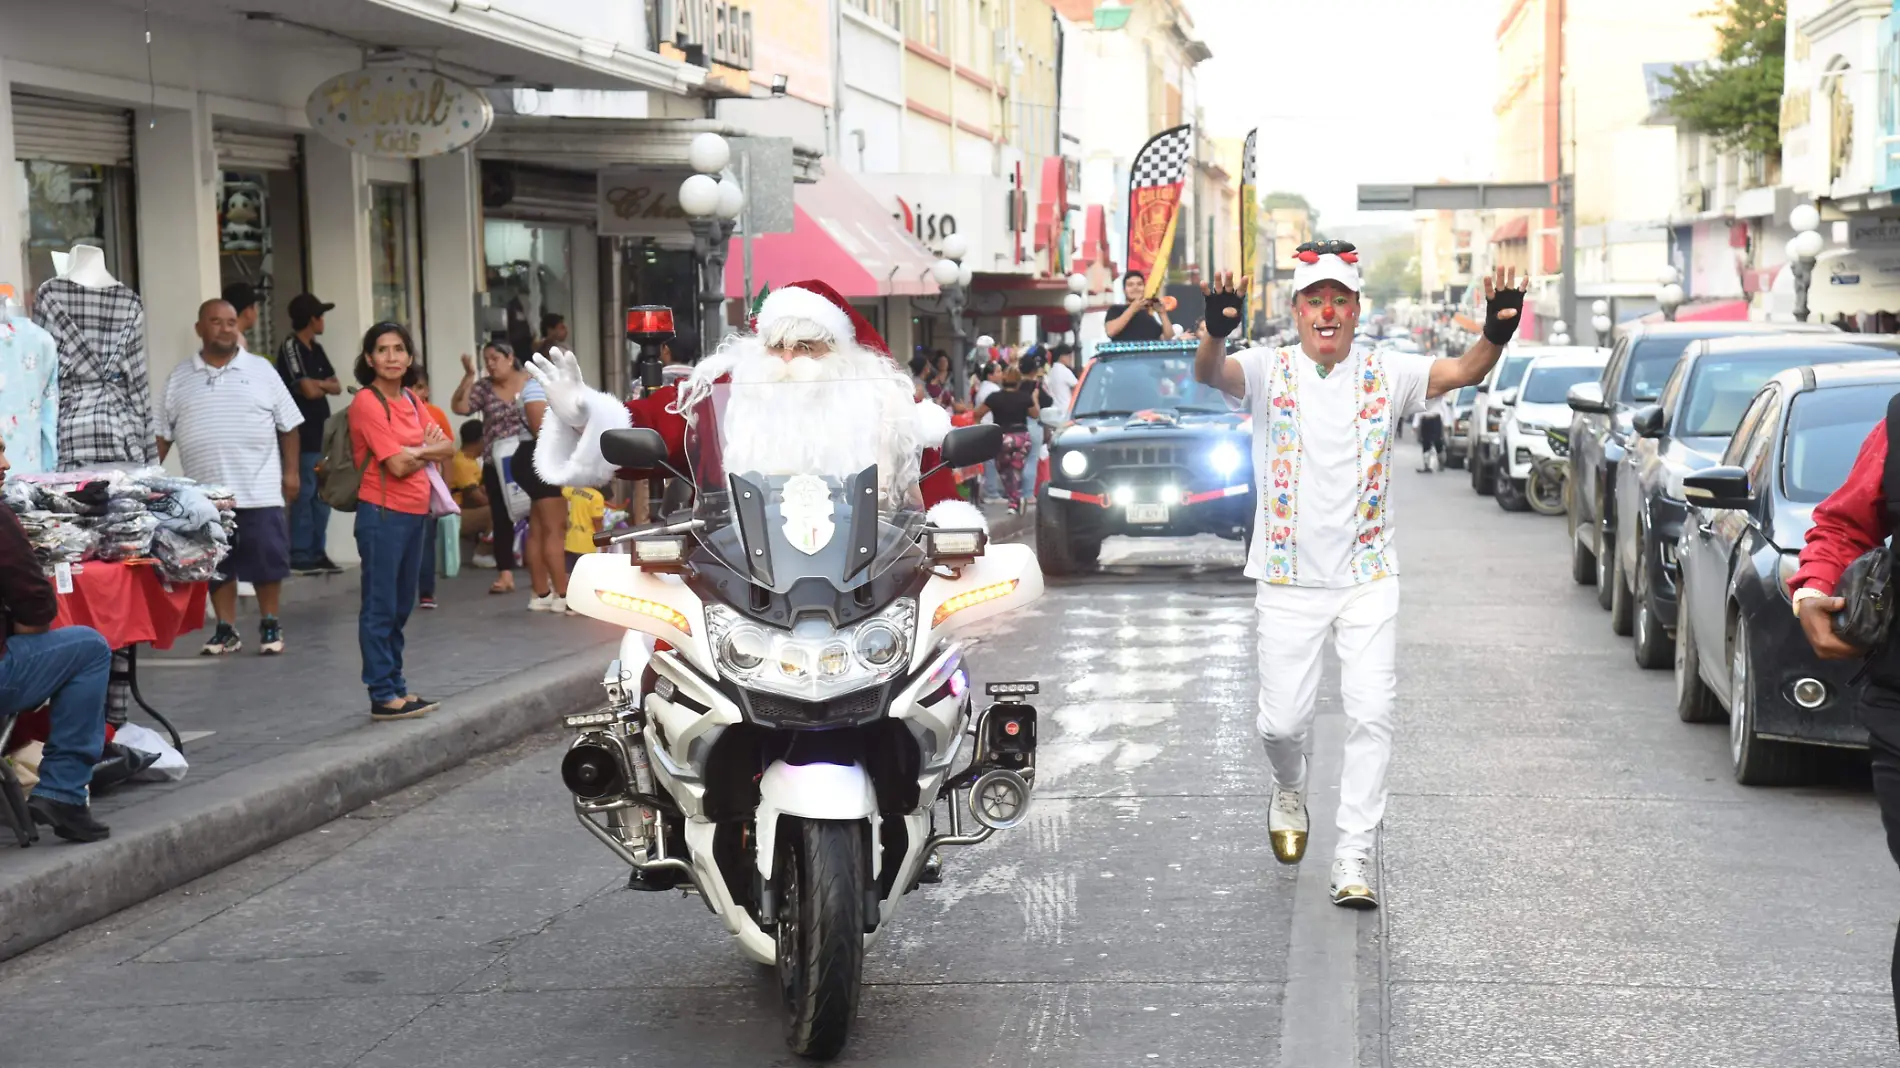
x: 1570, y: 877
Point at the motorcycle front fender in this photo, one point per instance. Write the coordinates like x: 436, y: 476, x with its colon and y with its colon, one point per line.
x: 841, y: 792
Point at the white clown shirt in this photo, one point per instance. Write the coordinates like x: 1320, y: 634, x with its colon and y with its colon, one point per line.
x: 1322, y: 454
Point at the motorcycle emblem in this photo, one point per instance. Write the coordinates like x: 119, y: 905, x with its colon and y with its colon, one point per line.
x: 806, y: 505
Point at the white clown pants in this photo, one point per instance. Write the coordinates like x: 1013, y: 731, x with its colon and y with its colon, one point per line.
x: 1362, y: 621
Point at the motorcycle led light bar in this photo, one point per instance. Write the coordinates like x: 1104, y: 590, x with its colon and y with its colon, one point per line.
x: 953, y: 544
x: 972, y: 598
x: 664, y: 613
x: 588, y: 719
x: 659, y: 552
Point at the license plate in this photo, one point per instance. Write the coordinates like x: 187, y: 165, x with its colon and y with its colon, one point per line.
x: 1148, y: 513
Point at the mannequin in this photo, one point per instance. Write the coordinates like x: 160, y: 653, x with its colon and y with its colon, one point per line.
x: 29, y: 390
x: 86, y: 265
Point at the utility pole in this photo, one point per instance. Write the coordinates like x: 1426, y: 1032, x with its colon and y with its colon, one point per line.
x: 1567, y: 203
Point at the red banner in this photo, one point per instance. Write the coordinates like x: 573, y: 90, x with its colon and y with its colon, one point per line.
x: 1154, y: 192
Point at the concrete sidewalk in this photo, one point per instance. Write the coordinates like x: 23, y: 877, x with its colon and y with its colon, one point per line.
x: 279, y: 745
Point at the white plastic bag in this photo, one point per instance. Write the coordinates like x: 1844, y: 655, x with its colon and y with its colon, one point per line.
x: 170, y: 766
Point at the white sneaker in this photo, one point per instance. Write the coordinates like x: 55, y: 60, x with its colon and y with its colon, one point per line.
x: 558, y: 604
x: 541, y: 604
x: 1287, y: 825
x: 482, y: 560
x: 1352, y: 883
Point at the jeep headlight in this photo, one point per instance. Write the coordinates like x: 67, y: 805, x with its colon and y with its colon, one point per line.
x: 1075, y: 463
x: 1225, y: 459
x: 814, y: 665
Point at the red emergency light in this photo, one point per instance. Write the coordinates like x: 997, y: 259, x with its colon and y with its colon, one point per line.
x: 649, y: 322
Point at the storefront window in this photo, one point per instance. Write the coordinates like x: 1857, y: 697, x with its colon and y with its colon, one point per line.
x: 260, y: 240
x: 71, y: 204
x: 530, y: 275
x: 390, y: 245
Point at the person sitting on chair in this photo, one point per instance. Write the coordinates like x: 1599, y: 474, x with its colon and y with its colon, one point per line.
x: 68, y: 667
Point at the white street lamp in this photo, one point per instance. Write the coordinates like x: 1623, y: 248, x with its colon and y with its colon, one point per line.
x: 1670, y: 297
x: 1601, y: 324
x: 731, y: 199
x: 1806, y: 245
x: 1600, y: 307
x: 709, y: 153
x: 984, y: 341
x: 965, y: 275
x: 1560, y: 327
x: 1804, y: 217
x: 699, y: 195
x: 1078, y: 283
x: 1072, y: 304
x: 946, y: 273
x: 955, y: 247
x: 1669, y: 276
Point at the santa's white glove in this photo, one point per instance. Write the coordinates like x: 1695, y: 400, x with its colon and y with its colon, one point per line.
x: 560, y: 377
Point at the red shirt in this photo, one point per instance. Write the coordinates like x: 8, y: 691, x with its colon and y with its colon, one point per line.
x: 380, y: 432
x: 1852, y: 521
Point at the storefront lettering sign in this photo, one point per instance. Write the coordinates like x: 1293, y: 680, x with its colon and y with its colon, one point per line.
x: 399, y: 112
x: 1874, y: 234
x: 929, y: 228
x: 641, y: 202
x: 709, y: 31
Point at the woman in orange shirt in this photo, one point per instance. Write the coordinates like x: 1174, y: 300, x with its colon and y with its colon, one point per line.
x: 393, y: 440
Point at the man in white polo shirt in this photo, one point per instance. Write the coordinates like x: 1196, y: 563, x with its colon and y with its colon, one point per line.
x: 1325, y: 416
x: 235, y: 425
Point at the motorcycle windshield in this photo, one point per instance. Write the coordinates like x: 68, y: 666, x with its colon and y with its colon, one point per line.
x: 786, y: 496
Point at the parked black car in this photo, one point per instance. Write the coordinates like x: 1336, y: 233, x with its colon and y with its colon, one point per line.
x: 1739, y: 646
x: 1682, y: 433
x: 1149, y: 452
x: 1644, y: 355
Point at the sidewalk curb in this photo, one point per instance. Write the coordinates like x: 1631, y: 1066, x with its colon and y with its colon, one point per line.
x: 191, y: 833
x: 1012, y: 526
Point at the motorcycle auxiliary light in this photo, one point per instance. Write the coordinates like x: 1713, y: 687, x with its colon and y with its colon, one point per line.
x: 654, y: 553
x: 954, y: 544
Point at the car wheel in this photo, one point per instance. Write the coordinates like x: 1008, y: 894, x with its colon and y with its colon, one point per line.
x: 1484, y: 478
x: 1653, y: 650
x: 1583, y: 562
x: 1606, y: 550
x: 1757, y: 761
x: 1620, y: 615
x: 1695, y: 702
x: 1454, y: 461
x: 1053, y: 545
x: 1511, y: 495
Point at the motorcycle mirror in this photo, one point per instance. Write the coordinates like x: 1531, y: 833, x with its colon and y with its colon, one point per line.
x: 967, y: 446
x: 638, y: 448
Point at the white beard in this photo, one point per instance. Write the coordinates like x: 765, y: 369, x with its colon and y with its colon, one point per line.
x: 833, y: 415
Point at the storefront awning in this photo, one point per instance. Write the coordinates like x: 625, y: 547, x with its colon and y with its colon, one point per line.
x: 1518, y: 229
x: 840, y: 234
x: 1713, y: 311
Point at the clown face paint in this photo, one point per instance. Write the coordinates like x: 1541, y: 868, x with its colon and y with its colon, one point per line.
x: 1327, y: 314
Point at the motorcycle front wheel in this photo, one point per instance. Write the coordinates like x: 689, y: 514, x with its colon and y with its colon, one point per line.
x: 820, y: 871
x: 1545, y: 488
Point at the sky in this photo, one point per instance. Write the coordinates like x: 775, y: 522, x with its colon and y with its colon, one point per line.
x: 1352, y: 91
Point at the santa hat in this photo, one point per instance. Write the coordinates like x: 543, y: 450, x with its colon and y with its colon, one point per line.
x: 814, y: 301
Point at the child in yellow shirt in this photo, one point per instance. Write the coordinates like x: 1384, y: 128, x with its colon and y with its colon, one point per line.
x: 585, y: 507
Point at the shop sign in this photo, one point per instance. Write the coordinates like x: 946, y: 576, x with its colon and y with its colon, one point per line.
x: 709, y: 31
x: 1873, y: 234
x: 930, y: 227
x: 399, y: 112
x: 641, y: 201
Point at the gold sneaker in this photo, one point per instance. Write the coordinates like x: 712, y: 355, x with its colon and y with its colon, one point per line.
x: 1352, y: 884
x: 1287, y: 825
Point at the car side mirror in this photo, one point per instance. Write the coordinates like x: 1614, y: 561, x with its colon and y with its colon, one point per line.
x: 1648, y: 421
x: 1508, y: 397
x: 1717, y: 487
x: 1587, y: 397
x: 968, y: 446
x: 640, y: 448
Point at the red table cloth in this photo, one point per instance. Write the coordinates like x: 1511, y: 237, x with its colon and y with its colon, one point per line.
x: 128, y: 603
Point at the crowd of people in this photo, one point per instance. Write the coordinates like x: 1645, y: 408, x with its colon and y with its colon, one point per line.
x: 1024, y: 389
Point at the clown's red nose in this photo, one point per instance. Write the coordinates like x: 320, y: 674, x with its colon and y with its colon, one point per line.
x: 1327, y: 313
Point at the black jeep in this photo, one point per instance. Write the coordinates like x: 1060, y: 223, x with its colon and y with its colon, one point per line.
x: 1148, y: 452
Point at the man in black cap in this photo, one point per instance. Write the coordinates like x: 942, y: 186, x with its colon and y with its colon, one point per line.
x: 242, y: 296
x: 312, y: 381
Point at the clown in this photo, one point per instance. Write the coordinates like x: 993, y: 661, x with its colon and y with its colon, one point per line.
x: 812, y: 390
x: 1324, y: 416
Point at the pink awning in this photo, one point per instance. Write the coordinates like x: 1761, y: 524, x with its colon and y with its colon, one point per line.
x: 1715, y: 311
x: 840, y: 233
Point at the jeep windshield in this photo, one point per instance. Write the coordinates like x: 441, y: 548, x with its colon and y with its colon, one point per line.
x: 1163, y: 381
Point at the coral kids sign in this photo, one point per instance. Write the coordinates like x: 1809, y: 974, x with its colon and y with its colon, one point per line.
x: 399, y: 112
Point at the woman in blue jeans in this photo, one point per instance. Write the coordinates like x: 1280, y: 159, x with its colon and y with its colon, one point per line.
x: 393, y: 440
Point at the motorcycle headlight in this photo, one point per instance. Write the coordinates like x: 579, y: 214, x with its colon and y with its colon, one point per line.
x: 816, y: 666
x: 1226, y: 458
x: 1075, y: 463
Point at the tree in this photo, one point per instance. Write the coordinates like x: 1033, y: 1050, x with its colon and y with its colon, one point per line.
x: 1291, y: 200
x: 1392, y: 272
x: 1736, y: 99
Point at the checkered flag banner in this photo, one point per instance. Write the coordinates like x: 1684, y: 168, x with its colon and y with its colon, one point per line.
x: 1154, y: 191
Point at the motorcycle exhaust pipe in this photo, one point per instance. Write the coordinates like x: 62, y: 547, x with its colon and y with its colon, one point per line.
x: 592, y: 771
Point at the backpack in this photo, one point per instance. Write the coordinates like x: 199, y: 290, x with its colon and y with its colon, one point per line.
x: 339, y: 477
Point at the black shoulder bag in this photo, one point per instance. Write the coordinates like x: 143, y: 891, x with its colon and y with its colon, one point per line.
x: 1866, y: 618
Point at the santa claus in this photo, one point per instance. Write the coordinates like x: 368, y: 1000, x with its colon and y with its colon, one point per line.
x: 812, y: 390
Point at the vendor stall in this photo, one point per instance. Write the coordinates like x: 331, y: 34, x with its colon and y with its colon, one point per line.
x: 130, y: 605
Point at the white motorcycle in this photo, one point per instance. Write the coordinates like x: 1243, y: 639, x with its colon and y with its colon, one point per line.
x: 803, y: 740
